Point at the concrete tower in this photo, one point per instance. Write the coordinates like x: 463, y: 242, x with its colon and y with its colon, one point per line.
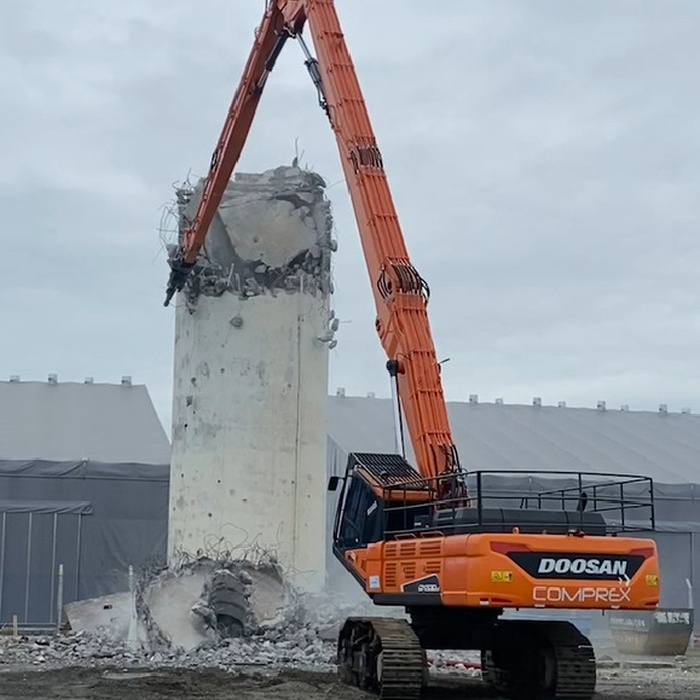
x: 253, y: 329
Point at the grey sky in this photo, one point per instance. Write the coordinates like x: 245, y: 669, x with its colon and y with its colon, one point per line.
x: 543, y: 158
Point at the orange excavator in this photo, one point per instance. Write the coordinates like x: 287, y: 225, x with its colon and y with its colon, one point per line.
x: 457, y: 550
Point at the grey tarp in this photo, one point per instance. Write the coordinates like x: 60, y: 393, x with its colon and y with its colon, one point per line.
x: 665, y: 446
x: 70, y: 420
x: 94, y: 518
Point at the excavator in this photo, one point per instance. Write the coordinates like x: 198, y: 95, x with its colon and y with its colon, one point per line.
x: 429, y: 536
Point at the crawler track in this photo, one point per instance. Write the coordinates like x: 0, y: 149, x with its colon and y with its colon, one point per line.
x: 576, y: 672
x: 382, y: 655
x: 540, y: 660
x: 530, y: 660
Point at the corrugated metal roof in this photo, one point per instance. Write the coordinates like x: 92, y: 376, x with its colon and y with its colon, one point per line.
x: 73, y: 421
x: 665, y: 446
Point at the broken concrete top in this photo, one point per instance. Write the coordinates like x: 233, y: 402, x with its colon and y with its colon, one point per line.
x: 273, y: 217
x: 272, y: 232
x: 111, y: 612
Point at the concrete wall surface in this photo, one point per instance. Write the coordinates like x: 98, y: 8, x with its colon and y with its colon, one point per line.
x: 248, y: 466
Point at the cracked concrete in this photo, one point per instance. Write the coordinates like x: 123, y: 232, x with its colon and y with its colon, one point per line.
x: 272, y: 233
x: 206, y: 601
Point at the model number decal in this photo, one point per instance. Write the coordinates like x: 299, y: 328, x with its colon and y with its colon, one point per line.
x: 428, y: 588
x: 429, y: 584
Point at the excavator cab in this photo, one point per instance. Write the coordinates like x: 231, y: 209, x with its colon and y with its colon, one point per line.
x: 381, y: 494
x: 359, y: 516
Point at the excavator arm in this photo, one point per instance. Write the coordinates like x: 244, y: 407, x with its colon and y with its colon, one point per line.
x: 280, y: 20
x: 400, y: 293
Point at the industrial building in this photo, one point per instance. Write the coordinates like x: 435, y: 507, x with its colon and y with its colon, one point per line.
x: 84, y: 477
x: 83, y: 488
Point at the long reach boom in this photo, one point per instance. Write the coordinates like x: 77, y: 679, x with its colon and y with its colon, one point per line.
x: 400, y: 293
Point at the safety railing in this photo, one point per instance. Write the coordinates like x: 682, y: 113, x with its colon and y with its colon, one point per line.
x: 593, y: 503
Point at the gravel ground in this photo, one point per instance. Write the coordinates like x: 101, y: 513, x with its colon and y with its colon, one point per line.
x: 294, y: 666
x: 214, y: 684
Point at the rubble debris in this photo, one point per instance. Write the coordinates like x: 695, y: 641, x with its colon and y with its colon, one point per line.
x: 169, y: 611
x: 271, y: 234
x: 207, y: 601
x: 224, y: 614
x: 301, y: 648
x: 188, y: 617
x: 111, y: 612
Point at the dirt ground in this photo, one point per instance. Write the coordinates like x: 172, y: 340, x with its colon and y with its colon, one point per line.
x: 101, y: 684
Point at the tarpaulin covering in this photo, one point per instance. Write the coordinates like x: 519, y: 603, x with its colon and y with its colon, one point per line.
x: 94, y: 518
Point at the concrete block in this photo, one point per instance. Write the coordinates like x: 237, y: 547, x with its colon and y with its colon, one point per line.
x: 170, y: 600
x: 113, y: 612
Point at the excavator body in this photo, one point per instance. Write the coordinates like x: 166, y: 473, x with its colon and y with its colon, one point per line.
x: 456, y: 563
x: 406, y: 547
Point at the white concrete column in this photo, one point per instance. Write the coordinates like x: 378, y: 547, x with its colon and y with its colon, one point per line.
x: 248, y: 469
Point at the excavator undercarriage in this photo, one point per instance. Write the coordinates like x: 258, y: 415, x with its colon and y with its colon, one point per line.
x: 524, y: 660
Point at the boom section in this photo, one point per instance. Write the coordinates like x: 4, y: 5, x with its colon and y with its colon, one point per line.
x: 281, y: 20
x: 400, y: 293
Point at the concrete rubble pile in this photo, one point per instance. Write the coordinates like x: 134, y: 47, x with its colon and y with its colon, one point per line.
x: 202, y: 614
x: 301, y: 649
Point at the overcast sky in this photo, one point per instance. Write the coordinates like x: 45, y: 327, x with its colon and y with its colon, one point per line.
x: 543, y: 157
